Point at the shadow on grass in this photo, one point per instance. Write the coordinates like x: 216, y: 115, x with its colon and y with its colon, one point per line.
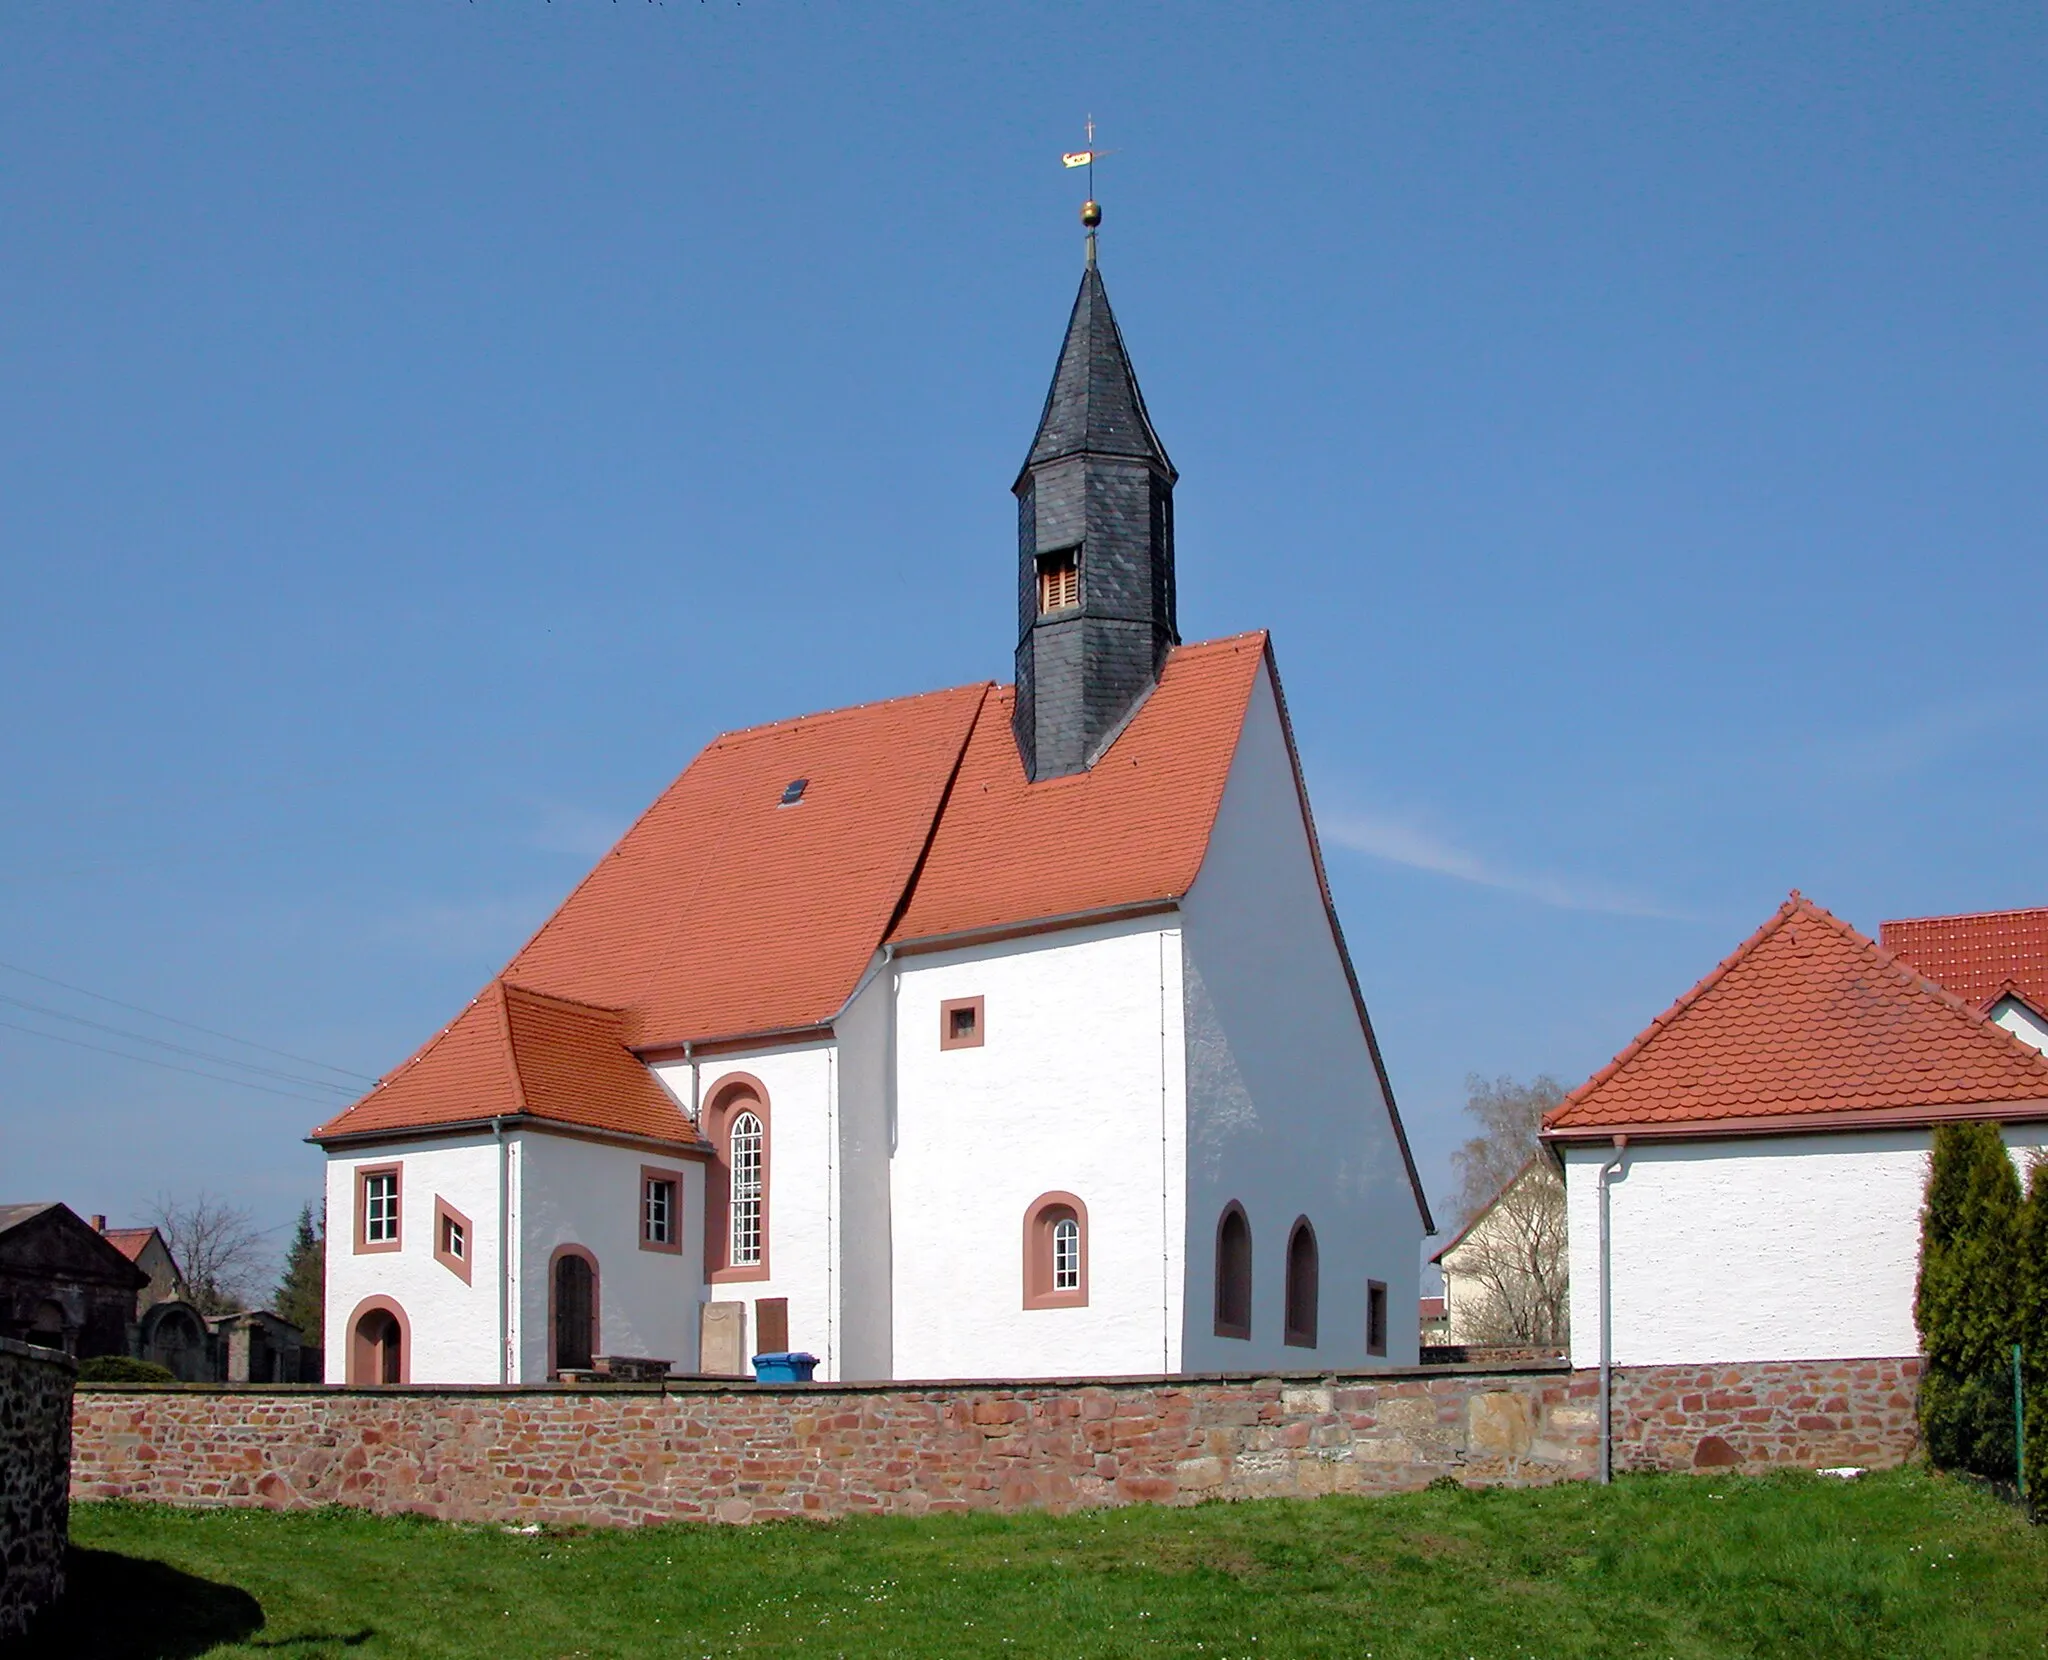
x: 119, y: 1607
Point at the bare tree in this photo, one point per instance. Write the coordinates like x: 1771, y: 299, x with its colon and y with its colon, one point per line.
x: 219, y: 1247
x: 1506, y: 1280
x: 1511, y: 1269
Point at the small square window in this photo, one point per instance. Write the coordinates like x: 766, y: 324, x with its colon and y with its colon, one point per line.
x: 452, y: 1234
x: 1059, y: 581
x: 661, y: 1210
x: 377, y: 1208
x: 961, y: 1023
x: 451, y: 1238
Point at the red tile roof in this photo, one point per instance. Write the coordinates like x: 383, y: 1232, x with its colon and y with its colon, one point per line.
x: 723, y: 913
x: 515, y: 1052
x: 1808, y: 1023
x: 130, y: 1242
x: 1980, y: 958
x: 1430, y: 1308
x: 1134, y: 827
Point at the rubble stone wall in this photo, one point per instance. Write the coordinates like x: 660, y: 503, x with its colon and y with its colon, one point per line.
x: 35, y: 1471
x: 736, y: 1453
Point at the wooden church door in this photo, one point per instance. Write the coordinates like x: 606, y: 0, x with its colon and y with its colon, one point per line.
x: 575, y: 1310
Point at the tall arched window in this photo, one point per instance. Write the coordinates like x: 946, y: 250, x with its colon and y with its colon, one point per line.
x: 1056, y: 1252
x: 572, y: 1308
x: 379, y: 1343
x: 1303, y: 1285
x: 1233, y: 1273
x: 736, y: 1216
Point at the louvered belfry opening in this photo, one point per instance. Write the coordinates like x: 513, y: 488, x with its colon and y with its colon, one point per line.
x: 1095, y: 593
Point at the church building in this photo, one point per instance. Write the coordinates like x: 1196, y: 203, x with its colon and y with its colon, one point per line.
x: 1001, y: 1031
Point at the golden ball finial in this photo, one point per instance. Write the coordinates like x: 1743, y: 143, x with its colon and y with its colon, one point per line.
x: 1091, y: 214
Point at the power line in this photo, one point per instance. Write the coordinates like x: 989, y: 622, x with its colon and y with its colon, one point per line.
x: 190, y: 1026
x: 176, y: 1048
x: 168, y: 1066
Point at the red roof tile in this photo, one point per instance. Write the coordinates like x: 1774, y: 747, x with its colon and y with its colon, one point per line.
x: 130, y: 1242
x: 515, y: 1052
x: 1980, y: 958
x: 1807, y: 1019
x: 723, y: 913
x: 1134, y: 827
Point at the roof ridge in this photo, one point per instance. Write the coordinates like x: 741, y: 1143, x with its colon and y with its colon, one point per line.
x: 1686, y: 1000
x: 765, y: 729
x: 498, y: 984
x: 1965, y: 916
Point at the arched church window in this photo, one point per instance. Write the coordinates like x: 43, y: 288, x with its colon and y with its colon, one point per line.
x: 737, y: 1223
x: 1056, y: 1252
x: 1233, y: 1273
x: 1303, y: 1285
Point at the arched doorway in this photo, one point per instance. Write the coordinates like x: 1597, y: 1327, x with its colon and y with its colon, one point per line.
x: 378, y: 1341
x: 572, y: 1290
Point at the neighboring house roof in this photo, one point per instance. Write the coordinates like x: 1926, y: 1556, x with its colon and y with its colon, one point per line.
x: 723, y: 914
x: 1132, y: 828
x: 1807, y: 1025
x: 12, y: 1216
x: 130, y: 1242
x: 1430, y: 1308
x: 1981, y: 958
x: 518, y: 1053
x: 80, y: 1234
x: 1487, y: 1209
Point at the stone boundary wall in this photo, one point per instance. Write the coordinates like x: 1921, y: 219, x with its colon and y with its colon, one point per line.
x: 35, y: 1471
x: 627, y: 1453
x: 1807, y: 1414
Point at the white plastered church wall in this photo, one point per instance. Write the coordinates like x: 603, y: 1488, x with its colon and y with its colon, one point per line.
x: 454, y: 1332
x: 1758, y: 1248
x: 864, y: 1227
x: 801, y: 1087
x: 587, y: 1193
x: 1285, y: 1110
x: 1078, y: 1087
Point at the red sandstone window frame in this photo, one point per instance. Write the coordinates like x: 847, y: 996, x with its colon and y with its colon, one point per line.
x: 731, y: 1095
x: 1041, y: 1219
x: 457, y: 1264
x: 1233, y: 1287
x: 1304, y: 1285
x: 1375, y: 1317
x: 359, y: 1353
x: 950, y: 1037
x: 673, y: 1245
x: 364, y: 1245
x: 596, y: 1304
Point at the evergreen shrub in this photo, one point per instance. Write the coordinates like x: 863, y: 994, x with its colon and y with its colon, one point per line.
x: 123, y: 1369
x: 2031, y: 1277
x: 1966, y: 1303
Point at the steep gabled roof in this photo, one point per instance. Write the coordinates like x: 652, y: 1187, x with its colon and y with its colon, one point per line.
x: 1133, y: 828
x: 1808, y: 1024
x: 724, y: 914
x: 132, y: 1242
x: 1981, y: 957
x: 519, y: 1054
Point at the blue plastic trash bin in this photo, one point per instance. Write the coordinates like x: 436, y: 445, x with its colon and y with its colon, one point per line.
x: 784, y: 1367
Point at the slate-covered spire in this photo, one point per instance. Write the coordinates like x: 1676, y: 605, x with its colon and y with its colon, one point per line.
x: 1095, y: 600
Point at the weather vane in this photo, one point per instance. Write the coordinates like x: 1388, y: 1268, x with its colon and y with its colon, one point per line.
x: 1091, y: 210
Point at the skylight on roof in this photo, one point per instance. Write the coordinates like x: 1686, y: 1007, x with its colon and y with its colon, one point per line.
x: 793, y: 791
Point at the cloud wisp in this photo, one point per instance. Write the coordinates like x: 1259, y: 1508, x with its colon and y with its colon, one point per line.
x: 1403, y: 842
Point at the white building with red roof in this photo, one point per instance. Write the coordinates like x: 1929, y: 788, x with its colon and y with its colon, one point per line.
x: 1003, y: 1031
x: 1761, y: 1152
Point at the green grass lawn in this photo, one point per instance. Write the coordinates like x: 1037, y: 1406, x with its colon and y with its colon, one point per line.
x: 1901, y: 1564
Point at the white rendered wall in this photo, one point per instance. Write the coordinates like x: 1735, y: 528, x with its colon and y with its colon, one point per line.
x: 577, y: 1192
x: 1757, y: 1248
x: 801, y: 1085
x: 1078, y: 1087
x: 454, y: 1327
x: 2021, y: 1021
x: 1285, y: 1111
x: 864, y: 1332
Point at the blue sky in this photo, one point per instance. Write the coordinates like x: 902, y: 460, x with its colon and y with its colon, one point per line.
x: 422, y: 427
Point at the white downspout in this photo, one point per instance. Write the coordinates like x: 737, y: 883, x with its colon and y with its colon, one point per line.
x: 1609, y: 1172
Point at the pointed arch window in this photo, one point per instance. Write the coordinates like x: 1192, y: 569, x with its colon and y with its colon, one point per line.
x: 1304, y: 1285
x: 1233, y: 1273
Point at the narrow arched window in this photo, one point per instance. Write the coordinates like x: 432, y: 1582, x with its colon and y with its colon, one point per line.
x: 1303, y: 1285
x: 1233, y: 1273
x: 572, y: 1292
x: 747, y: 1190
x: 1056, y: 1252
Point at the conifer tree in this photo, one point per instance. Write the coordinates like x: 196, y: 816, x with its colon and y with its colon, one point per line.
x: 302, y: 1293
x: 1966, y: 1303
